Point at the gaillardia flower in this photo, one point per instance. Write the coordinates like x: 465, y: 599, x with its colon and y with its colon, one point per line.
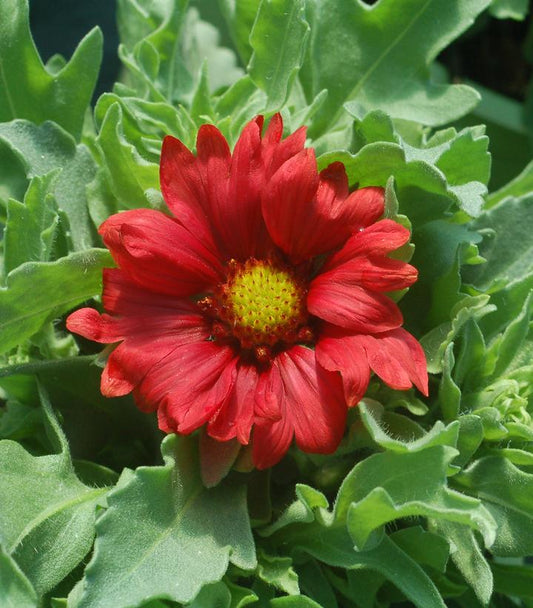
x: 259, y: 307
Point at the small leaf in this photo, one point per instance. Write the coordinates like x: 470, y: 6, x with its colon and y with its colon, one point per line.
x: 30, y: 227
x: 388, y: 486
x: 278, y: 571
x: 375, y: 418
x: 129, y: 174
x: 468, y: 557
x: 185, y: 535
x: 80, y: 277
x: 509, y: 9
x: 278, y: 39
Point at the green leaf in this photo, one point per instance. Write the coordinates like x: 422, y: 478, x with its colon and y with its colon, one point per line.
x: 388, y: 486
x: 513, y: 580
x: 278, y: 39
x: 507, y: 243
x: 468, y: 557
x: 215, y: 595
x: 16, y: 590
x: 79, y: 275
x: 315, y: 584
x: 436, y: 341
x: 507, y: 492
x: 278, y: 571
x: 43, y: 502
x: 334, y: 547
x: 386, y: 432
x: 449, y: 392
x: 28, y: 90
x: 383, y: 58
x: 129, y: 174
x: 185, y: 535
x: 293, y: 601
x: 164, y: 47
x: 521, y: 185
x: 509, y: 9
x: 427, y: 548
x: 240, y: 16
x: 47, y: 147
x: 30, y: 228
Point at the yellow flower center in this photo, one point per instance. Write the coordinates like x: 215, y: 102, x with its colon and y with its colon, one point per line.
x: 263, y: 303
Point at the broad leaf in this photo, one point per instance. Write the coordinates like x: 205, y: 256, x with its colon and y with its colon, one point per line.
x: 185, y: 535
x: 28, y: 90
x: 378, y: 57
x: 42, y: 503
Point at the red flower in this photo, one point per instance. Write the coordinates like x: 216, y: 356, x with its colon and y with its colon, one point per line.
x: 258, y: 308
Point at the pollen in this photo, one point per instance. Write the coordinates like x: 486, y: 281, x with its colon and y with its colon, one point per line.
x: 262, y: 303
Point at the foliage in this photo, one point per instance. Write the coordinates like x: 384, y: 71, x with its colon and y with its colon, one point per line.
x: 426, y: 501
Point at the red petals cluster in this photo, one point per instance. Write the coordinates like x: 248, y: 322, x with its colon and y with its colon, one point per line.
x: 263, y: 207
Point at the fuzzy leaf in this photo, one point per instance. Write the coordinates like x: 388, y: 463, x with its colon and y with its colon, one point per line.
x: 129, y: 174
x: 384, y: 56
x: 468, y: 557
x: 185, y: 535
x: 28, y: 90
x: 388, y: 486
x: 43, y: 503
x: 507, y: 492
x: 21, y: 316
x: 47, y: 147
x: 280, y: 31
x: 16, y: 590
x: 31, y: 226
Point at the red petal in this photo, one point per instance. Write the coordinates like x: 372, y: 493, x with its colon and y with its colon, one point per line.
x: 308, y: 214
x: 288, y: 206
x: 182, y: 187
x: 398, y: 359
x: 270, y: 442
x: 276, y: 152
x: 378, y: 239
x: 376, y: 273
x: 338, y: 351
x: 157, y: 252
x: 366, y: 206
x: 313, y: 408
x: 245, y: 234
x: 352, y: 307
x: 235, y: 417
x: 189, y: 385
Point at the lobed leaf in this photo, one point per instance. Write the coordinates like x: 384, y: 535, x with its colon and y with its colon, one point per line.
x: 21, y: 316
x: 28, y: 89
x: 185, y: 535
x: 378, y: 57
x: 45, y: 148
x: 278, y: 39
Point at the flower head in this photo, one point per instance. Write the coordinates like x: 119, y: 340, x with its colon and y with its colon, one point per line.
x: 259, y: 307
